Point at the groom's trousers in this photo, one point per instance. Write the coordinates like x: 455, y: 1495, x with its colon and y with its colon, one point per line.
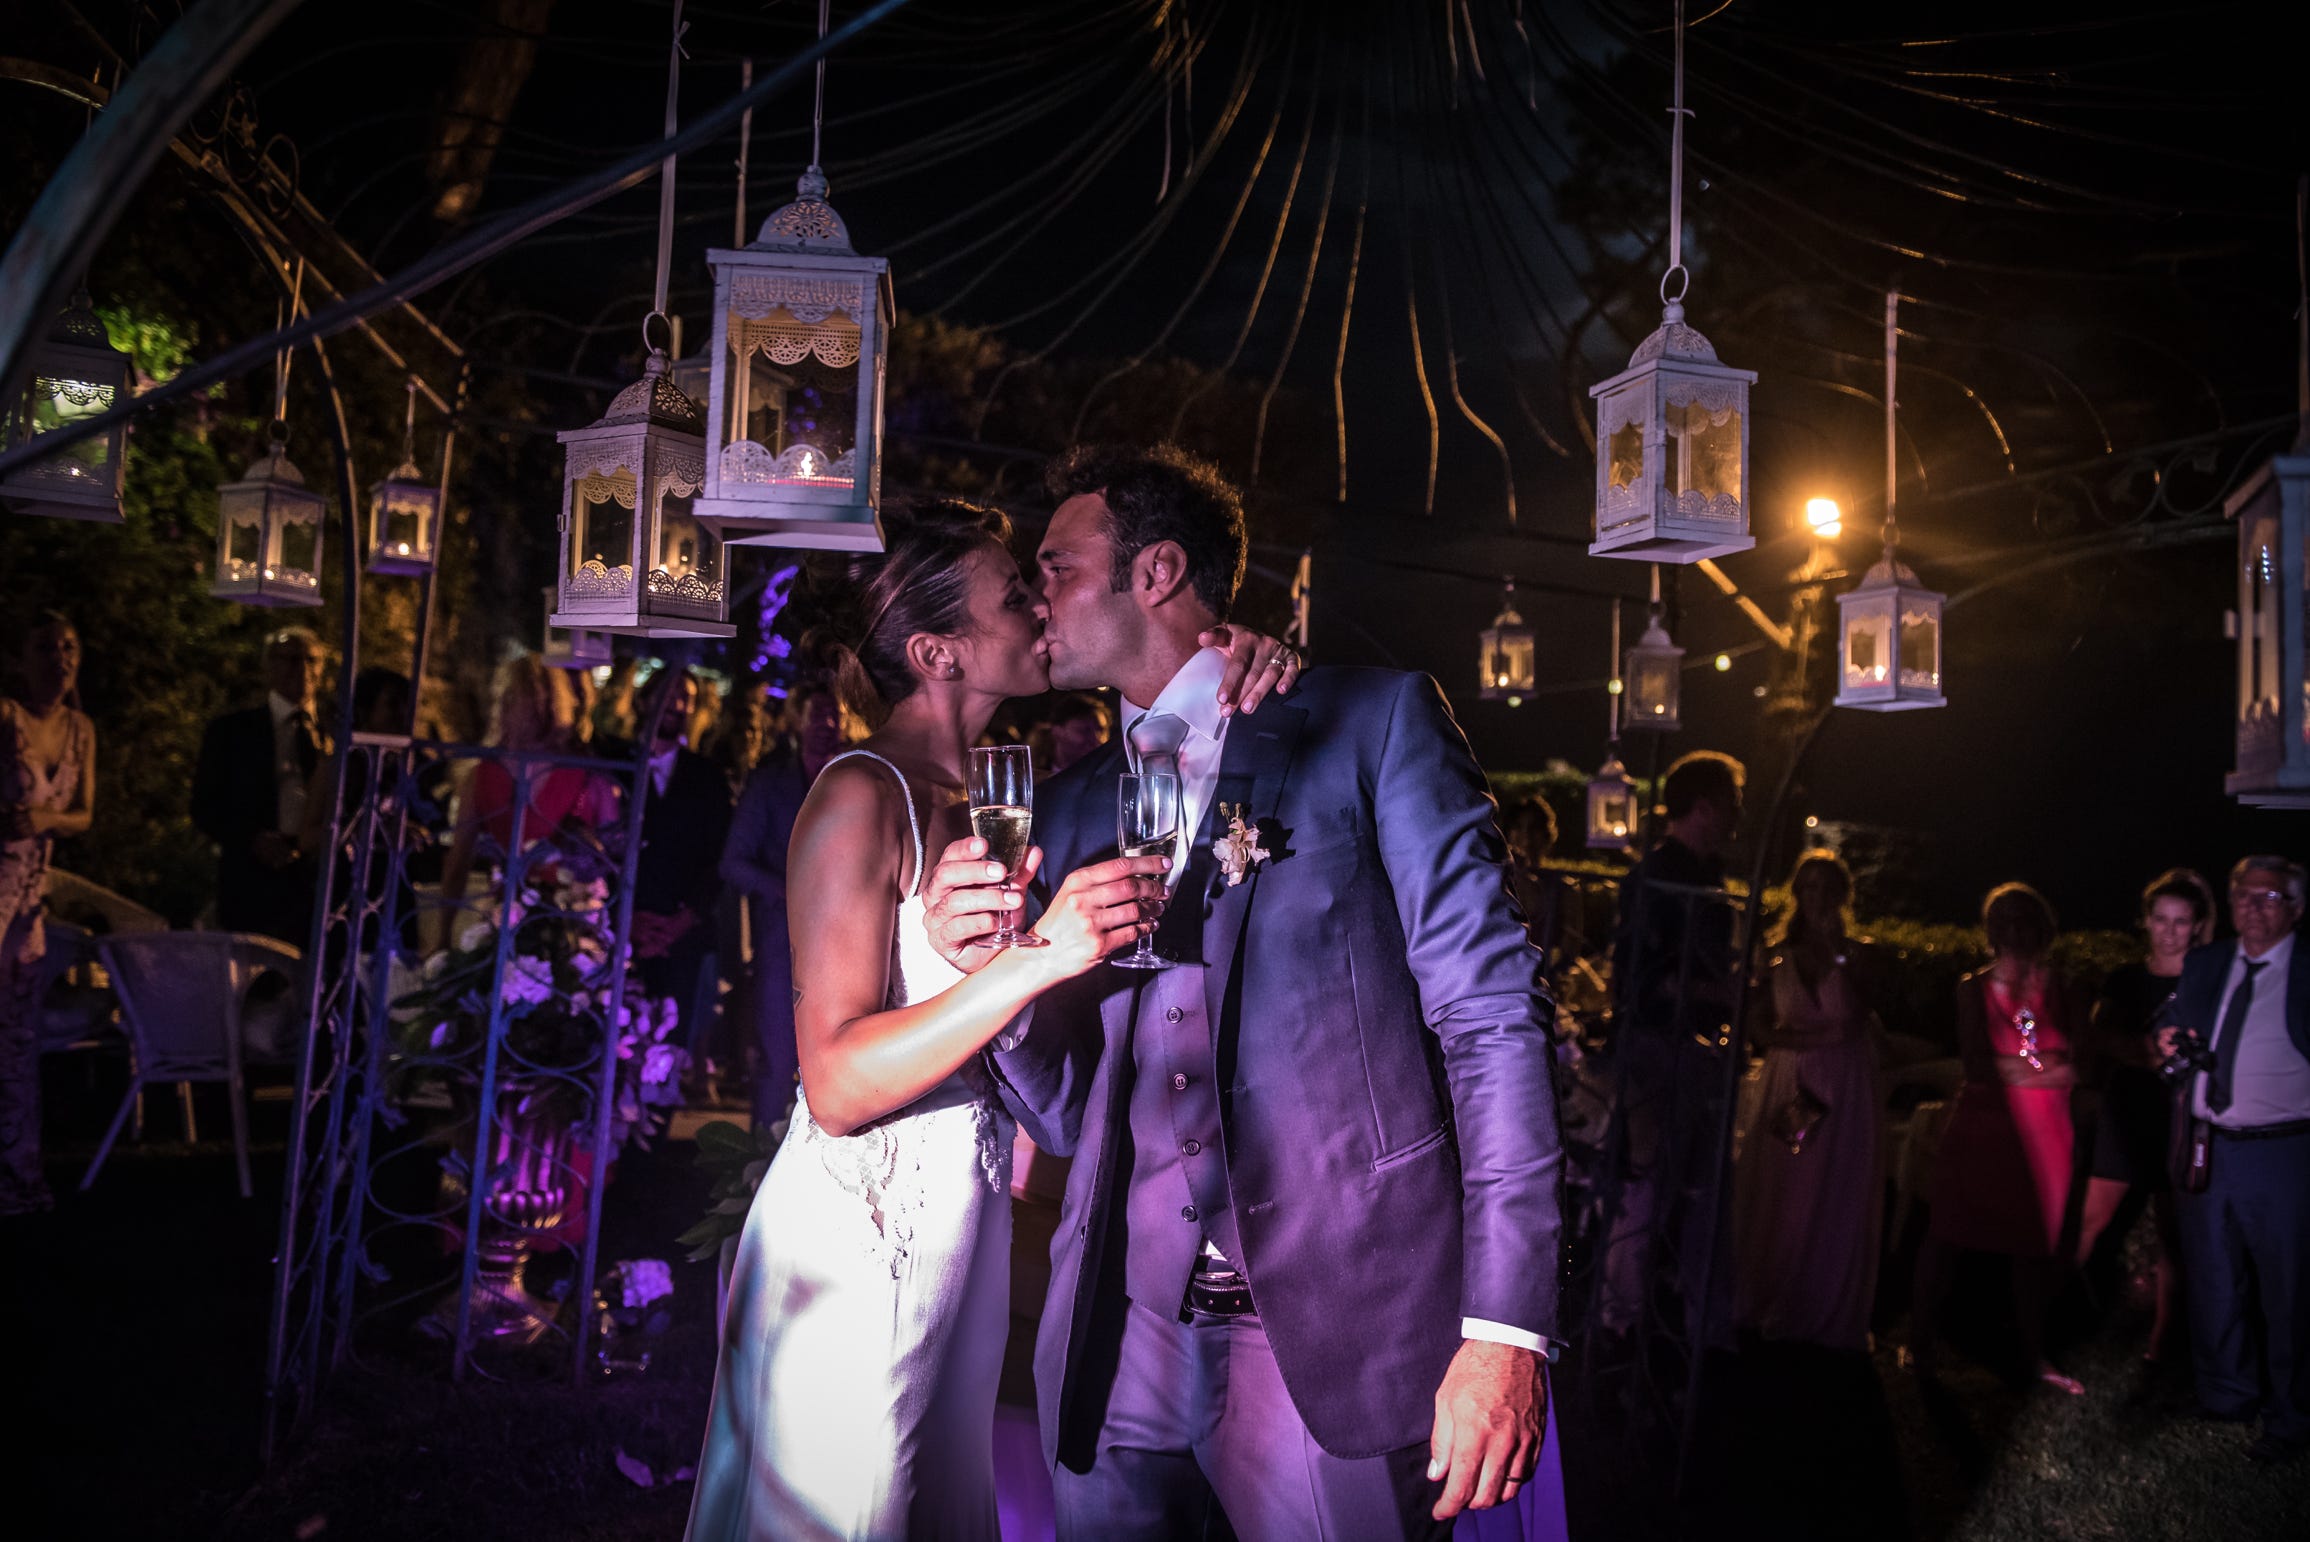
x: 1199, y: 1439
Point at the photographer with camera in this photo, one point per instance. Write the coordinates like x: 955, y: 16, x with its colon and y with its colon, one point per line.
x: 2237, y: 1043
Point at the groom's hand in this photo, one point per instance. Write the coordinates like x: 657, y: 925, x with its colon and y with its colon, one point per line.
x: 1490, y: 1413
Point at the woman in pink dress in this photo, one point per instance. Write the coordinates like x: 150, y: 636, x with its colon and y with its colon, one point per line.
x: 2002, y: 1176
x: 536, y: 710
x: 47, y: 789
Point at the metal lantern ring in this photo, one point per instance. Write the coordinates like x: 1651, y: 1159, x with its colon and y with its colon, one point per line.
x: 794, y: 432
x: 73, y: 373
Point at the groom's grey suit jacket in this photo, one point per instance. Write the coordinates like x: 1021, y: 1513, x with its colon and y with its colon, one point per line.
x: 1380, y: 1045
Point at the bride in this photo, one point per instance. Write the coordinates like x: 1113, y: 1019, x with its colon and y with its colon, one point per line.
x: 855, y: 1396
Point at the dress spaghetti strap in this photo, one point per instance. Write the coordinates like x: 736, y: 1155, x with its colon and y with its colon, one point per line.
x: 913, y: 823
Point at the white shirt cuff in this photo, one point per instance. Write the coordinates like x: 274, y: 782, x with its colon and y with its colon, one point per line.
x: 1501, y: 1333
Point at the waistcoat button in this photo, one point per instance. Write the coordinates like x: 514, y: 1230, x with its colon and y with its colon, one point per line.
x: 1191, y: 1147
x: 1187, y: 1212
x: 1173, y: 1015
x: 1179, y: 1081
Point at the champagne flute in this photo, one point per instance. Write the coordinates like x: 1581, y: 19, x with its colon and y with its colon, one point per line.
x: 1146, y: 825
x: 1003, y: 815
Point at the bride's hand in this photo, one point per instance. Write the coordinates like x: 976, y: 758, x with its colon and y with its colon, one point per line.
x: 964, y: 898
x: 1101, y: 909
x: 1257, y: 665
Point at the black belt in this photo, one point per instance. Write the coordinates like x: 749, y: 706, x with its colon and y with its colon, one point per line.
x: 1219, y: 1295
x: 2264, y: 1131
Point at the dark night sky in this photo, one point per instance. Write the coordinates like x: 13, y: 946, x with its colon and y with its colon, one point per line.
x: 2090, y: 208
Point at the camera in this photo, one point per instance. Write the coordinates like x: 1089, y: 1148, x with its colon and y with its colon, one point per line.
x: 2191, y: 1055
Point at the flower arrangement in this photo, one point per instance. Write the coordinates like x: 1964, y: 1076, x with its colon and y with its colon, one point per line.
x: 555, y: 990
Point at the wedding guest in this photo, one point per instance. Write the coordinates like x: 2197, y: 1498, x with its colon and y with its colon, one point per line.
x: 2002, y: 1175
x: 677, y: 880
x: 754, y: 863
x: 534, y: 710
x: 2133, y: 1131
x: 1673, y: 985
x: 249, y: 793
x: 1079, y: 723
x: 2245, y: 1214
x: 47, y: 789
x: 1808, y: 1183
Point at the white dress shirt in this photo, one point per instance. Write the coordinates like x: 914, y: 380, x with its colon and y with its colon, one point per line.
x: 2269, y: 1079
x: 1193, y: 697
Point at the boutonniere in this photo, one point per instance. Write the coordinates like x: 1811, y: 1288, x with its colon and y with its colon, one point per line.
x: 1238, y: 851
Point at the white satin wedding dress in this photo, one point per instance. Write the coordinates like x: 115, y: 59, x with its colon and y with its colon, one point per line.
x: 855, y: 1397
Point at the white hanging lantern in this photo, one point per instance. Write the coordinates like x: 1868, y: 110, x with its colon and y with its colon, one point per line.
x: 1672, y: 451
x: 269, y: 533
x: 1612, y: 817
x: 1652, y: 680
x: 1507, y: 658
x: 405, y: 511
x: 794, y: 436
x: 635, y: 556
x: 571, y: 649
x: 1889, y: 625
x: 1889, y: 641
x: 2272, y: 510
x: 73, y: 373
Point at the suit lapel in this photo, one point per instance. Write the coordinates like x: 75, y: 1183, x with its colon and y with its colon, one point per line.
x: 1252, y: 770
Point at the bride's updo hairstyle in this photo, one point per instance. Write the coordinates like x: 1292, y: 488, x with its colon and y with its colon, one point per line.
x: 920, y: 583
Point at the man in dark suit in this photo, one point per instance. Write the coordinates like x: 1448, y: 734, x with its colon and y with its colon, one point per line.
x: 2246, y: 1234
x: 1306, y: 1270
x: 678, y: 877
x: 249, y: 791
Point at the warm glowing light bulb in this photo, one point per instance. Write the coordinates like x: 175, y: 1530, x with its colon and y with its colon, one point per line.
x: 1612, y: 687
x: 1825, y: 517
x: 1812, y: 821
x: 1723, y: 662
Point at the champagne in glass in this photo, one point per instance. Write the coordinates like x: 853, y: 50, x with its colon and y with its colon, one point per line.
x: 1146, y: 825
x: 1002, y: 793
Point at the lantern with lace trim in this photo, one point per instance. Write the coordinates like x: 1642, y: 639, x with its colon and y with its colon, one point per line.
x: 405, y: 511
x: 635, y: 556
x: 794, y: 426
x: 1654, y: 678
x: 1889, y: 640
x: 1672, y: 451
x: 1611, y: 806
x: 73, y: 373
x: 1507, y: 657
x: 269, y: 533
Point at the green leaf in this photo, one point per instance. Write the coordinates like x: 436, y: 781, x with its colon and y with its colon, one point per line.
x: 724, y: 1140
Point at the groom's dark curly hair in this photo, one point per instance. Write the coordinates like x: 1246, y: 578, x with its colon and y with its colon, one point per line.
x: 1162, y: 493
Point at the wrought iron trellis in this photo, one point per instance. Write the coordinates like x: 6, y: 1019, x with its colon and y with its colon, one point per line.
x: 369, y: 1162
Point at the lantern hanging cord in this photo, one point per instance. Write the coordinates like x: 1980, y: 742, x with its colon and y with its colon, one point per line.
x: 1677, y: 113
x: 1611, y: 693
x: 283, y: 357
x: 818, y: 106
x: 666, y: 174
x: 409, y: 427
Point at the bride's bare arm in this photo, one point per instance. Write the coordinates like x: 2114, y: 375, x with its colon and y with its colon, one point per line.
x: 860, y: 1061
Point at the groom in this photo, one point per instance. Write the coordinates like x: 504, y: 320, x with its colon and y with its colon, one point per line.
x: 1306, y: 1273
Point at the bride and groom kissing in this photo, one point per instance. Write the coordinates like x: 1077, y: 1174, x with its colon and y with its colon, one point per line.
x: 1305, y: 1278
